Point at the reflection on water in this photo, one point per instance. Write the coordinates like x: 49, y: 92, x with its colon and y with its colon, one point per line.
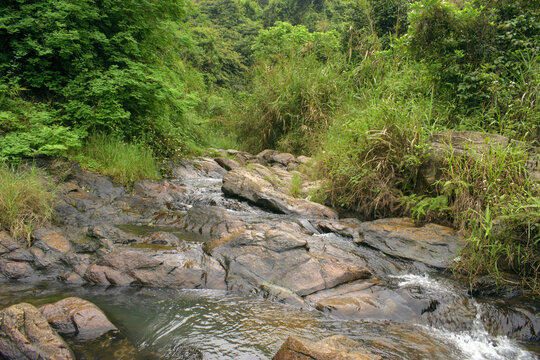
x: 229, y: 326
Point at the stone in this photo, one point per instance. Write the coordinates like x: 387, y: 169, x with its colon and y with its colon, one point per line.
x: 49, y: 239
x: 76, y: 316
x: 332, y: 348
x: 211, y: 221
x: 162, y: 191
x: 25, y: 334
x: 7, y: 244
x: 227, y: 164
x: 187, y: 352
x: 197, y: 168
x: 105, y: 275
x: 161, y: 238
x: 112, y: 233
x: 350, y: 228
x: 431, y: 244
x: 279, y: 256
x: 261, y: 186
x: 15, y: 270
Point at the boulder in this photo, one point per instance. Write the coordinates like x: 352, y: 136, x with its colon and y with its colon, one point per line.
x: 332, y: 348
x: 25, y: 334
x: 227, y: 164
x: 211, y: 221
x: 162, y: 191
x: 431, y: 244
x: 279, y: 256
x: 7, y: 244
x: 187, y: 267
x: 267, y: 188
x: 198, y: 168
x: 15, y: 270
x: 76, y: 316
x: 51, y: 240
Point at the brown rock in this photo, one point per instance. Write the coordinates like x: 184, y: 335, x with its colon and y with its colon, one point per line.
x: 77, y: 316
x: 332, y: 348
x: 228, y: 164
x: 268, y: 188
x: 25, y: 334
x: 52, y: 240
x: 432, y: 244
x: 7, y: 243
x: 105, y: 275
x: 16, y: 270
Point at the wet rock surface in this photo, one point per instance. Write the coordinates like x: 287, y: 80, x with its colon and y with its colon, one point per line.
x: 25, y: 334
x: 267, y: 187
x: 78, y: 317
x: 431, y: 244
x: 335, y: 347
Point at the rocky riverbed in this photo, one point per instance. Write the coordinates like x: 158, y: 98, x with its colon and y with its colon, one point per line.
x: 237, y: 223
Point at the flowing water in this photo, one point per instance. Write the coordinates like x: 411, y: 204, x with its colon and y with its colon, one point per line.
x: 230, y: 326
x: 227, y: 325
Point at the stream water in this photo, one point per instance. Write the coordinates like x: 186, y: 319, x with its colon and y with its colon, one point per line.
x: 226, y: 325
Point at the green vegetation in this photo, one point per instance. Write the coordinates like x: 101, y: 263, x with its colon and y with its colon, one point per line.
x: 360, y: 85
x: 125, y: 163
x: 26, y: 200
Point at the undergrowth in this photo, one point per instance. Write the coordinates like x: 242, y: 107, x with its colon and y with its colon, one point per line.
x: 125, y: 163
x: 26, y: 200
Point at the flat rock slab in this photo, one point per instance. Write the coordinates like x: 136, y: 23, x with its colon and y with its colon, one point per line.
x: 432, y: 244
x: 25, y: 334
x: 76, y: 316
x: 278, y: 257
x: 267, y: 188
x: 332, y: 348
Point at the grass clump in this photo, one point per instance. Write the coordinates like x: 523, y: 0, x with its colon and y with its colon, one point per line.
x: 287, y: 108
x: 125, y: 163
x: 26, y: 200
x: 295, y: 188
x: 497, y: 204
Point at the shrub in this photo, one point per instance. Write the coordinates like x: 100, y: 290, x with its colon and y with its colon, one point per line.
x: 125, y: 163
x: 26, y: 200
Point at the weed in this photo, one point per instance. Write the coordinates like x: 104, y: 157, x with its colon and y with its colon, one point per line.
x: 295, y: 187
x: 26, y: 200
x: 125, y: 163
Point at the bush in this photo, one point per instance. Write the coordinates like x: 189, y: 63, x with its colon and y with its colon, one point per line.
x: 125, y: 163
x: 109, y: 66
x: 26, y: 200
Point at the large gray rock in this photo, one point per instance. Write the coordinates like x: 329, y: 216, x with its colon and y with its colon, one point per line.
x: 268, y: 188
x: 332, y: 348
x: 25, y: 334
x: 76, y: 316
x: 211, y: 221
x: 431, y: 244
x: 278, y: 258
x: 187, y: 267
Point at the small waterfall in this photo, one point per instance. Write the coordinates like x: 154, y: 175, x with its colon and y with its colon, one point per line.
x: 474, y: 343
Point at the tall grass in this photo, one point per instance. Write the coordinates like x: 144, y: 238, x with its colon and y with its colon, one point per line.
x: 290, y: 103
x: 497, y: 204
x: 26, y: 200
x: 125, y: 163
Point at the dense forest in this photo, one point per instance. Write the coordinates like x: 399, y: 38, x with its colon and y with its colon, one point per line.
x: 361, y: 86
